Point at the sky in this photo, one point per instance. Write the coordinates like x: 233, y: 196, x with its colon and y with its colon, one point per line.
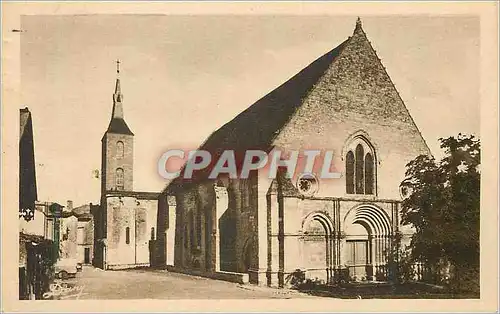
x: 182, y: 77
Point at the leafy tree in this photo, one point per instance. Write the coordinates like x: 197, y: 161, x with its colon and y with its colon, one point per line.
x: 443, y: 206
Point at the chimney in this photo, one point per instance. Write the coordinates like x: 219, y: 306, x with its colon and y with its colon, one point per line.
x: 69, y: 207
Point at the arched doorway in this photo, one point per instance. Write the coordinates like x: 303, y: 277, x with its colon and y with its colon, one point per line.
x: 358, y: 253
x: 368, y: 239
x: 317, y: 249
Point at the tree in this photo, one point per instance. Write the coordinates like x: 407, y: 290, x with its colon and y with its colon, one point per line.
x: 443, y: 206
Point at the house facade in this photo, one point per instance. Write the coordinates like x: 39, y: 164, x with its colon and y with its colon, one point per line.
x: 269, y: 228
x: 85, y: 233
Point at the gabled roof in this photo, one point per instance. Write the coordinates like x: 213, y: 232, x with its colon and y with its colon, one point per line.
x: 287, y: 188
x: 258, y: 125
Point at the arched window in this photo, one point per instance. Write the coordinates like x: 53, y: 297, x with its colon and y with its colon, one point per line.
x: 368, y: 174
x: 360, y: 184
x: 119, y: 149
x: 127, y: 235
x: 119, y: 179
x: 349, y: 173
x: 360, y: 166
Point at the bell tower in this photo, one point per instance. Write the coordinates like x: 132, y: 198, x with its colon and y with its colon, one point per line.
x: 117, y: 163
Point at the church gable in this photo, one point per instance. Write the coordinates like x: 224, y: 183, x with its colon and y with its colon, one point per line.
x: 354, y: 87
x: 355, y: 95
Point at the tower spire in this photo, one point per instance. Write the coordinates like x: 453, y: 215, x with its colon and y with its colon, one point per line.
x: 117, y: 125
x: 117, y: 96
x: 358, y: 25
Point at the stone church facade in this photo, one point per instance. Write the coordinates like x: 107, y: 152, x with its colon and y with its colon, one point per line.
x: 269, y: 228
x: 126, y: 220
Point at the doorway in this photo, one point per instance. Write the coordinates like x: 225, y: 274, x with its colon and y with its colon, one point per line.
x: 86, y: 255
x: 357, y: 259
x: 317, y: 248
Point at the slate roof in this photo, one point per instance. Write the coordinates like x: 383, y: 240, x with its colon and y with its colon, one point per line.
x: 27, y: 170
x: 258, y: 125
x: 118, y: 126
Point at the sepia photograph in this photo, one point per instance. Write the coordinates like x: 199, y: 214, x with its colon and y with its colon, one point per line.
x: 242, y: 156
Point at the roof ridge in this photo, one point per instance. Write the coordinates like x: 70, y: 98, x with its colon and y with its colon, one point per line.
x: 397, y: 91
x: 280, y: 104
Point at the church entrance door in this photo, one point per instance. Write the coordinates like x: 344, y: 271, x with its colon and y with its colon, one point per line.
x: 357, y: 258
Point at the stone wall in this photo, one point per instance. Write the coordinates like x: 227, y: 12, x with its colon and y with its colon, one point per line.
x: 316, y: 244
x: 110, y: 161
x: 68, y: 237
x: 85, y: 240
x: 138, y: 216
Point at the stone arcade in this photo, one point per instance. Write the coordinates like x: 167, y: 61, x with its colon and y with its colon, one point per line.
x: 344, y: 101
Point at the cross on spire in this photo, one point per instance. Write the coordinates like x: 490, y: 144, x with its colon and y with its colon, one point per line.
x: 117, y: 96
x: 358, y: 27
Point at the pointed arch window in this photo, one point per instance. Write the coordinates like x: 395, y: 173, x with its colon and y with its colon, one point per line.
x: 368, y: 174
x: 119, y: 149
x: 359, y: 175
x: 119, y: 179
x: 349, y: 173
x: 360, y: 167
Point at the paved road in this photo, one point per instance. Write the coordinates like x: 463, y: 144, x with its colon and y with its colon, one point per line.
x: 156, y: 284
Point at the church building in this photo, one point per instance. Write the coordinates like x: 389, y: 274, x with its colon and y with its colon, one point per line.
x: 125, y: 222
x: 267, y: 229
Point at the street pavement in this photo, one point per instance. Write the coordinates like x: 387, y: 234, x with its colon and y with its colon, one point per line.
x: 94, y: 283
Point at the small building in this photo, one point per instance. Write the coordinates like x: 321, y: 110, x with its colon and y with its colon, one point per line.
x: 85, y: 233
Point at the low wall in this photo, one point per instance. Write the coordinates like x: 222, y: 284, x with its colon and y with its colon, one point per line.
x: 126, y: 266
x: 240, y: 278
